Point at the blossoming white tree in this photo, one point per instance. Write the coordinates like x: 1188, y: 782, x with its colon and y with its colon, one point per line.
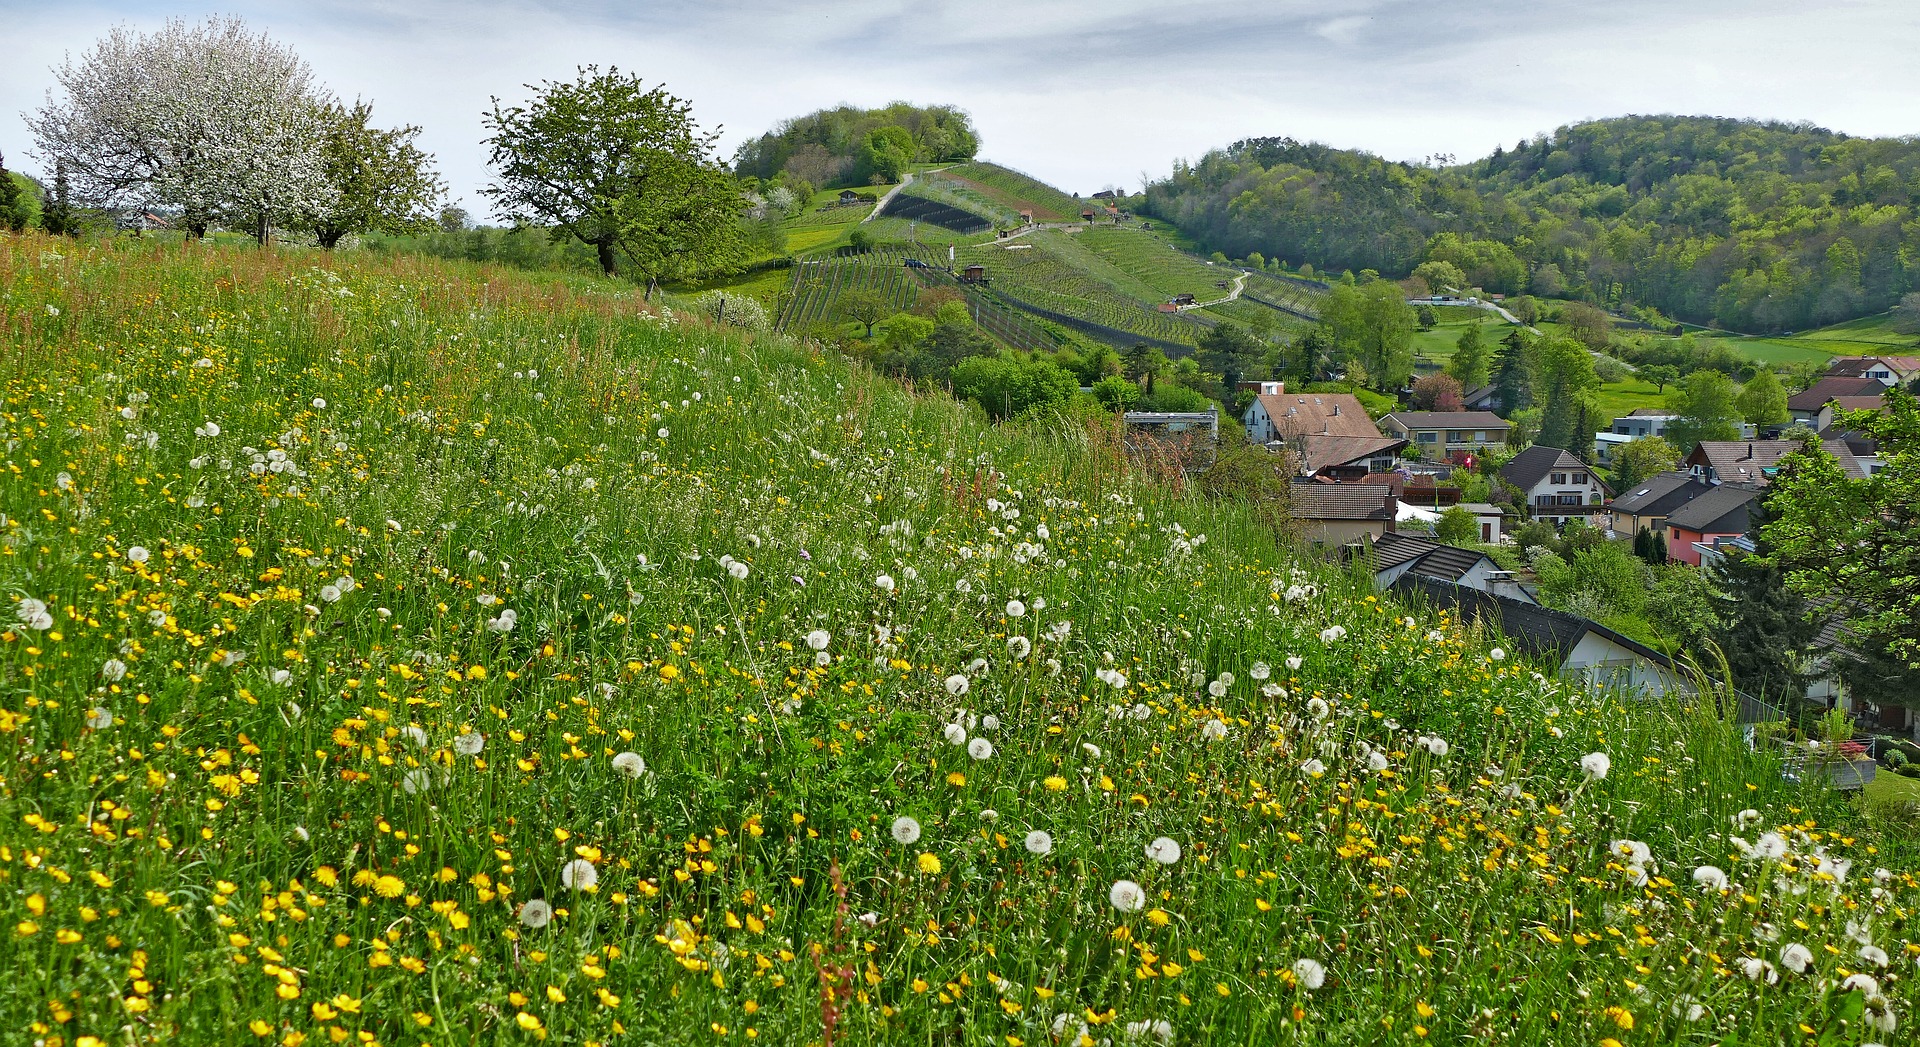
x: 209, y: 121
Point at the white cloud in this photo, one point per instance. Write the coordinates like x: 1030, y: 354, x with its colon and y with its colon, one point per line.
x: 1084, y: 94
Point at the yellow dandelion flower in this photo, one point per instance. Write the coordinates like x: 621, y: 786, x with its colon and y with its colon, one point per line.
x: 929, y: 863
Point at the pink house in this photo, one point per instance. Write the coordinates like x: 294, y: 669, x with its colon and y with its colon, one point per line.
x: 1723, y: 512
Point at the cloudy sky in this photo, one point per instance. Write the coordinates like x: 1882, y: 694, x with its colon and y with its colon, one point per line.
x: 1080, y: 93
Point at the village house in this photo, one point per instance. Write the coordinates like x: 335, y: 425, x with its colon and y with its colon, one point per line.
x: 1188, y: 438
x: 1647, y: 505
x: 1644, y: 422
x: 1483, y: 398
x: 1558, y: 487
x: 1814, y: 406
x: 1755, y: 461
x: 1887, y: 370
x: 1394, y: 555
x: 1491, y: 519
x: 1725, y: 511
x: 1581, y: 649
x: 1329, y: 433
x: 1437, y: 432
x: 1335, y: 515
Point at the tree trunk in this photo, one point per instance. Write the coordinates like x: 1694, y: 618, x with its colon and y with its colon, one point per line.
x: 605, y: 253
x: 329, y: 237
x: 650, y: 286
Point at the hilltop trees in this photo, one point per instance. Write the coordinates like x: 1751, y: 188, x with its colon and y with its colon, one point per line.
x: 207, y: 120
x: 376, y: 179
x: 830, y: 147
x: 621, y: 167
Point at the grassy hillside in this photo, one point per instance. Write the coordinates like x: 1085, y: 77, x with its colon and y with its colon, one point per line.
x: 413, y: 653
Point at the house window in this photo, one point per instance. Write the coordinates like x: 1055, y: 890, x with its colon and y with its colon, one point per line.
x: 1558, y: 478
x: 1427, y: 438
x: 1569, y: 499
x: 1456, y: 437
x: 1579, y: 478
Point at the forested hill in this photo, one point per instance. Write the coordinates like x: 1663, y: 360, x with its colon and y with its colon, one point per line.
x: 1755, y: 226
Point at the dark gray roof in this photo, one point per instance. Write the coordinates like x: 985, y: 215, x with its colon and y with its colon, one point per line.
x: 1474, y: 396
x: 1321, y: 501
x: 1725, y: 509
x: 1814, y: 396
x: 1658, y: 495
x: 1449, y: 420
x: 1535, y: 630
x: 1754, y: 461
x: 1431, y: 559
x: 1532, y: 465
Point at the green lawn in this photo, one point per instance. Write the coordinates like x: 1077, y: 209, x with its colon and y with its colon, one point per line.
x: 1621, y: 398
x: 1887, y: 785
x: 1439, y: 342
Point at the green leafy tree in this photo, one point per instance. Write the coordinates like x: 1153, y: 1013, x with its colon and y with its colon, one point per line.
x: 1763, y: 400
x: 886, y: 154
x: 1639, y: 459
x: 1854, y: 542
x: 1470, y: 359
x: 379, y: 179
x: 1373, y: 326
x: 1006, y: 386
x: 1116, y: 393
x: 1906, y: 315
x: 1707, y: 403
x: 866, y: 307
x: 623, y: 169
x: 1661, y: 375
x: 1457, y: 527
x: 1441, y: 276
x: 905, y: 331
x: 1588, y: 325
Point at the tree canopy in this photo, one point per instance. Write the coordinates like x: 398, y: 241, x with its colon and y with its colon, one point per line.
x: 1753, y: 225
x: 378, y: 180
x: 621, y: 167
x: 831, y: 146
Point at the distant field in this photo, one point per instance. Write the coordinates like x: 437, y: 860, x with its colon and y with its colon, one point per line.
x: 1440, y: 342
x: 1627, y: 397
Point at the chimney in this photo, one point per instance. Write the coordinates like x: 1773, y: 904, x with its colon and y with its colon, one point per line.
x: 1336, y: 410
x: 1749, y: 451
x: 1393, y: 511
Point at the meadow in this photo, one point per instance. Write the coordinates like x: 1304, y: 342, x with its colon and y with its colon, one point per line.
x: 406, y: 652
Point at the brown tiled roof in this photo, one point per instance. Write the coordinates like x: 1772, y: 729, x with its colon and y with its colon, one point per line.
x: 1313, y: 501
x: 1318, y: 414
x: 1532, y: 465
x: 1325, y: 452
x: 1860, y: 403
x: 1753, y: 461
x: 1817, y: 394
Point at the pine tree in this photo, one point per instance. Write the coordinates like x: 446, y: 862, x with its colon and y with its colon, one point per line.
x: 57, y: 216
x: 1510, y: 373
x: 12, y: 216
x: 1764, y: 626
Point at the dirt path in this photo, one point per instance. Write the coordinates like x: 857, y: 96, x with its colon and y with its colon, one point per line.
x: 1239, y: 285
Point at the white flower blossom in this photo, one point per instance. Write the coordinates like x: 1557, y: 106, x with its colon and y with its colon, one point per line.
x: 629, y: 764
x: 905, y: 830
x: 1164, y: 849
x: 1039, y: 842
x: 1127, y: 896
x: 579, y: 875
x: 1596, y: 765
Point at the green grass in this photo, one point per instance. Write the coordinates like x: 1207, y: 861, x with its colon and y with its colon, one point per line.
x: 1887, y: 785
x: 1018, y: 192
x: 1439, y: 341
x: 344, y: 798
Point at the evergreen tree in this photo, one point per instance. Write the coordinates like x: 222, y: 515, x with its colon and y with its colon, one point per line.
x: 12, y: 215
x: 1660, y: 547
x: 1510, y: 373
x: 57, y: 216
x: 1764, y: 626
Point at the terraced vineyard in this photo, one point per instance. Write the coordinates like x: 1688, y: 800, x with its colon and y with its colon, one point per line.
x: 1017, y: 191
x: 816, y: 292
x: 1042, y: 276
x: 1158, y: 265
x: 1289, y: 294
x: 925, y: 209
x: 958, y: 193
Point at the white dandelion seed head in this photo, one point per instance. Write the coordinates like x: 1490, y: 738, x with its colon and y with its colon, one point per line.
x: 113, y: 669
x: 989, y: 815
x: 957, y: 685
x: 1796, y: 957
x: 579, y: 875
x: 281, y: 677
x: 415, y: 735
x: 954, y: 733
x: 505, y: 622
x: 1596, y: 765
x: 1164, y: 849
x: 1092, y: 750
x: 330, y: 594
x: 1318, y: 708
x: 1018, y: 647
x: 1260, y: 671
x: 980, y: 748
x: 138, y: 554
x: 1054, y: 668
x: 417, y: 781
x: 738, y: 570
x: 884, y: 583
x: 1311, y: 974
x: 1127, y: 896
x: 535, y: 914
x: 1314, y: 767
x: 989, y: 722
x: 1862, y: 983
x: 1217, y: 689
x: 1039, y: 842
x: 629, y: 764
x: 869, y: 920
x: 904, y: 830
x: 1770, y: 847
x: 819, y: 639
x: 470, y: 743
x: 1333, y: 634
x: 822, y: 659
x: 1874, y: 955
x: 1497, y: 654
x: 1158, y: 1029
x: 1434, y: 744
x: 1016, y: 609
x: 1376, y: 761
x: 1140, y: 711
x: 1759, y: 970
x: 99, y: 718
x: 1294, y: 662
x: 1711, y: 877
x: 1214, y: 730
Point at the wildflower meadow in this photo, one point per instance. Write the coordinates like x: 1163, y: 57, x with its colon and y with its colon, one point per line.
x: 404, y: 653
